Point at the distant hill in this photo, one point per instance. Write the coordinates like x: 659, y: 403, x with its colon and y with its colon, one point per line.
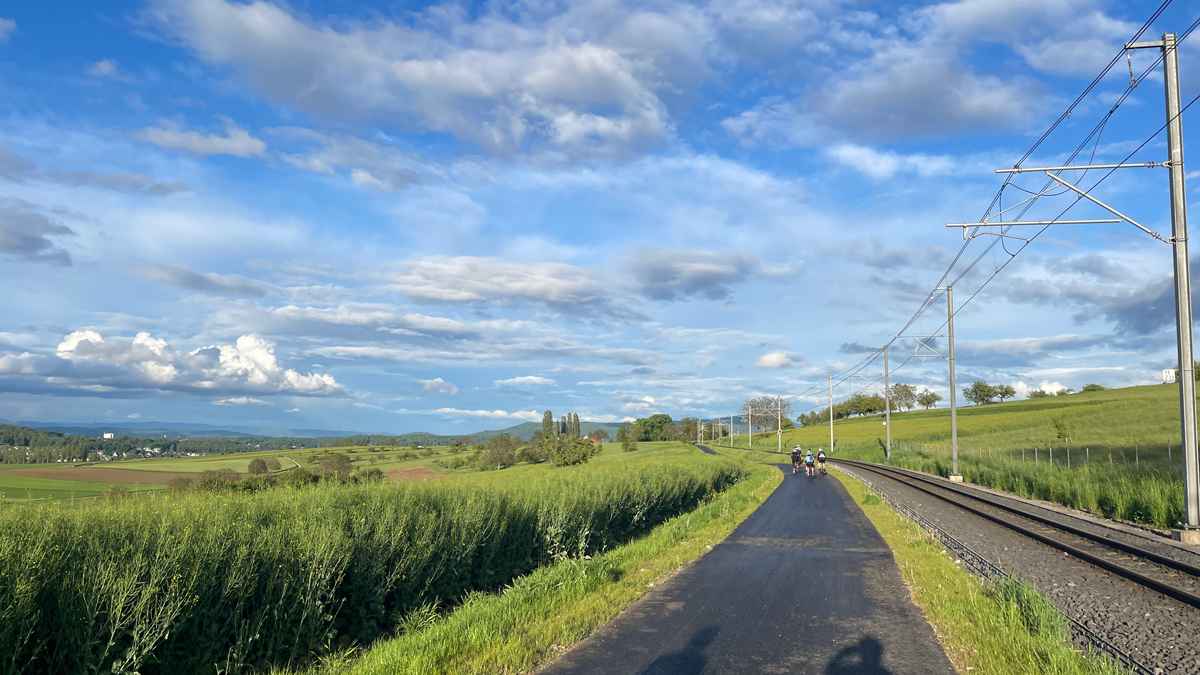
x: 180, y: 430
x: 526, y: 429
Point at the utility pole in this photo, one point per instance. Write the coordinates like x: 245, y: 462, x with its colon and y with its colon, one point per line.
x: 1188, y: 532
x: 949, y: 356
x: 955, y: 476
x: 887, y: 405
x: 831, y: 414
x: 1183, y: 296
x: 779, y: 421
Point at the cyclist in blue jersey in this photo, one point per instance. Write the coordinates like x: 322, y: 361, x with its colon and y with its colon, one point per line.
x: 810, y: 463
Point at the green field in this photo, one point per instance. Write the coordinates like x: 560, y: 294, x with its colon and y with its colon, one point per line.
x: 1114, y: 453
x: 304, y: 570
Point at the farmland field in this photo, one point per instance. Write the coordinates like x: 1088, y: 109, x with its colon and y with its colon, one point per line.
x: 306, y: 566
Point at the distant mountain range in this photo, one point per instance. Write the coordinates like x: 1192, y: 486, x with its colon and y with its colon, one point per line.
x: 193, y: 430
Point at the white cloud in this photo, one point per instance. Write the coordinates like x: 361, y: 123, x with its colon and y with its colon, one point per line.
x: 1047, y: 386
x: 884, y: 164
x: 778, y: 359
x: 367, y: 406
x: 524, y: 381
x: 149, y: 362
x: 292, y: 410
x: 437, y: 386
x: 364, y: 177
x: 501, y: 86
x: 7, y: 28
x: 105, y: 68
x: 528, y: 416
x: 134, y: 416
x: 236, y: 141
x: 241, y: 400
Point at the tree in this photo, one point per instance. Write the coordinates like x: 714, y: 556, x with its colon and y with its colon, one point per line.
x: 273, y: 463
x: 903, y: 396
x: 575, y: 421
x: 1064, y: 391
x: 547, y: 424
x: 653, y: 428
x: 598, y: 434
x: 689, y: 429
x: 623, y: 431
x: 1004, y: 391
x: 335, y: 465
x: 257, y: 467
x: 562, y: 426
x: 1038, y: 393
x: 1093, y: 387
x: 765, y: 411
x: 979, y: 392
x: 928, y: 398
x: 500, y: 452
x: 568, y: 451
x: 629, y: 445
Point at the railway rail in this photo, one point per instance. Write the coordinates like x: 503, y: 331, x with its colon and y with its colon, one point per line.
x: 1173, y: 576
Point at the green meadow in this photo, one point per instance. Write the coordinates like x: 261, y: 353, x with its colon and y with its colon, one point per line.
x: 1114, y: 453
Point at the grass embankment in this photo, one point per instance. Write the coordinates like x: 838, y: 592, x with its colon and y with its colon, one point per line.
x: 985, y: 629
x: 1118, y: 457
x: 542, y: 614
x: 249, y: 581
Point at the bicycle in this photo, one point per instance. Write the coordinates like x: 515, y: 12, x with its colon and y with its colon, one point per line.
x: 795, y: 467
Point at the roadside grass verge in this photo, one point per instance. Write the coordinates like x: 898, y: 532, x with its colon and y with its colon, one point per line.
x: 985, y: 629
x: 541, y: 614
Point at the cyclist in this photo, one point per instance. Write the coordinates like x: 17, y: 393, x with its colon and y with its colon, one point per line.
x: 821, y: 461
x: 795, y: 459
x: 810, y: 463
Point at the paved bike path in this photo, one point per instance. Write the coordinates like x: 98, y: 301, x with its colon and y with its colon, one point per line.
x: 804, y: 585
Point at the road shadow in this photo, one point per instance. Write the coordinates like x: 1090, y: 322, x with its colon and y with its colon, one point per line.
x: 864, y: 658
x: 688, y: 661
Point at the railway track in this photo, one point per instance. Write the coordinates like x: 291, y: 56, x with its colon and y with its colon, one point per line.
x: 1170, y: 575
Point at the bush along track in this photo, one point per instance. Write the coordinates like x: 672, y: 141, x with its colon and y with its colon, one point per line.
x: 242, y: 582
x: 985, y: 628
x: 540, y: 615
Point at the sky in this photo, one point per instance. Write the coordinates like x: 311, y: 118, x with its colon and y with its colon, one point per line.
x: 392, y: 217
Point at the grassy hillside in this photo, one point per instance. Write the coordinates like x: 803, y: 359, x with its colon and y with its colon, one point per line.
x: 1118, y: 420
x: 1114, y: 453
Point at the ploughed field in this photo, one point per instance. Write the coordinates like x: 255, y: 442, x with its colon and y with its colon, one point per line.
x: 241, y: 581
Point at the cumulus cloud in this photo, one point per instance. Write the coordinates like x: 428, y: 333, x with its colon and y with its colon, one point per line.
x: 667, y: 274
x: 150, y: 363
x: 778, y: 359
x: 528, y: 416
x: 27, y: 234
x: 1047, y: 386
x: 204, y: 282
x: 236, y: 141
x: 437, y: 386
x: 524, y: 381
x: 884, y: 164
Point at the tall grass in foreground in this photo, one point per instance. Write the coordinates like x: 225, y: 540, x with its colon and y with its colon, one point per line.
x: 243, y: 582
x: 1117, y: 490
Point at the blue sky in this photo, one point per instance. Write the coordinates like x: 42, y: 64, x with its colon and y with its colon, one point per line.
x: 392, y: 217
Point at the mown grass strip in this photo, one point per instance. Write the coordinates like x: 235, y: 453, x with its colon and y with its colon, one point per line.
x: 543, y: 613
x: 984, y: 629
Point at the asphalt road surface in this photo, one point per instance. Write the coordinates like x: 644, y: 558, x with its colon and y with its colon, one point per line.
x: 804, y: 585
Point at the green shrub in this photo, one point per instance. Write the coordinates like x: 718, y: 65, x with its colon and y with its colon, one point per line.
x: 242, y: 582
